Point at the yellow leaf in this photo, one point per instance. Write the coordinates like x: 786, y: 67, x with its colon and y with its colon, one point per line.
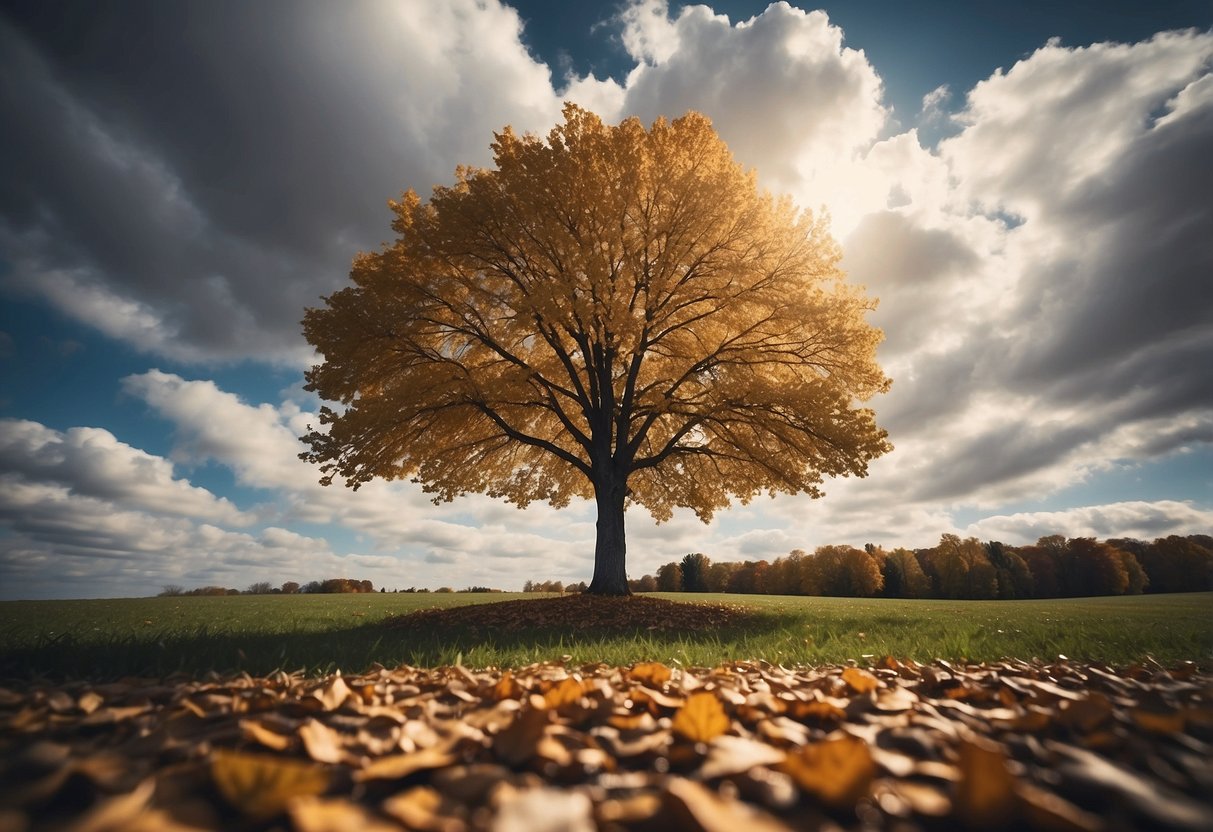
x: 261, y: 785
x: 654, y: 673
x: 701, y: 718
x: 985, y: 795
x: 860, y: 681
x: 837, y: 771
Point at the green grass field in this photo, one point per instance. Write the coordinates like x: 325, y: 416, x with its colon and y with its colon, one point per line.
x: 318, y: 633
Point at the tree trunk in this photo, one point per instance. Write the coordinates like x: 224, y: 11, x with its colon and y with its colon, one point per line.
x: 610, y: 549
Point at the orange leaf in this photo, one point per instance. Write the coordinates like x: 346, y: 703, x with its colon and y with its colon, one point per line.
x: 838, y: 771
x: 654, y: 673
x: 568, y: 692
x: 1159, y: 723
x: 507, y: 687
x: 701, y: 718
x: 860, y: 681
x: 986, y: 793
x: 261, y: 785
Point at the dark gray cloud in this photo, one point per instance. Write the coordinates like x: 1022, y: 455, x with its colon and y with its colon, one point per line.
x: 211, y: 168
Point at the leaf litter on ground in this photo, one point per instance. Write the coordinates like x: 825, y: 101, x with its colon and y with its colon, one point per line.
x: 1059, y: 745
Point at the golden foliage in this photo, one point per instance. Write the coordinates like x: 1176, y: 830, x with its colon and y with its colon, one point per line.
x: 701, y: 718
x: 262, y: 785
x: 609, y: 307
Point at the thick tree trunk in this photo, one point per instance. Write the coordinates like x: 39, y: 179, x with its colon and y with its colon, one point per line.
x: 610, y: 549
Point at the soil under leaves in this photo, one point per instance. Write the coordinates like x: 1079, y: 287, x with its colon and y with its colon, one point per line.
x: 896, y: 745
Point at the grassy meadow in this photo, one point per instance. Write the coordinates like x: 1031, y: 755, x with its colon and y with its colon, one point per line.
x: 102, y: 639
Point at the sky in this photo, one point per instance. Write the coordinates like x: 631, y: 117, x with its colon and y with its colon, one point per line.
x: 1024, y: 187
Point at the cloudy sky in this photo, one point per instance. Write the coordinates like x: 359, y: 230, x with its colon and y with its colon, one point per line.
x: 1026, y: 190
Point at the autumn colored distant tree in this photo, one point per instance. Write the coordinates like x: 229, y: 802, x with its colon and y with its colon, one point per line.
x: 903, y: 576
x: 669, y: 578
x: 612, y: 313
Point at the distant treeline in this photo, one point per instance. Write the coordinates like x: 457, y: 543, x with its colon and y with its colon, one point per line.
x: 1053, y: 567
x: 332, y: 585
x: 960, y: 568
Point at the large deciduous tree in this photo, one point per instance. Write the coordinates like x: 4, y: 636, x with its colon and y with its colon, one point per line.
x: 614, y: 313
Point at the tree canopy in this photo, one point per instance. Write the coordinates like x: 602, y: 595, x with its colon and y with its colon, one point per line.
x: 612, y: 313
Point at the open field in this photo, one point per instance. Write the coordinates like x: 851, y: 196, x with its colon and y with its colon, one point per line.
x: 159, y: 636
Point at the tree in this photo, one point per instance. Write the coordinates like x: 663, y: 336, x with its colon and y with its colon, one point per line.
x: 260, y: 588
x: 695, y: 567
x: 669, y: 578
x: 290, y: 588
x: 615, y: 313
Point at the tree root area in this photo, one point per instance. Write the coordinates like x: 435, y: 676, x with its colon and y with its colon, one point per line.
x: 581, y: 612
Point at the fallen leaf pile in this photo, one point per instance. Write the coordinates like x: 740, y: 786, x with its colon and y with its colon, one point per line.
x: 743, y: 746
x: 579, y: 612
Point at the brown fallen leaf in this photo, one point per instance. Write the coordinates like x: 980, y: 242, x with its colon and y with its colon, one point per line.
x: 400, y: 766
x: 260, y: 785
x: 732, y: 755
x: 701, y: 718
x: 985, y: 795
x: 318, y: 814
x: 860, y: 681
x: 517, y: 743
x: 698, y: 807
x: 837, y: 771
x: 323, y: 744
x: 333, y: 693
x: 424, y: 809
x: 254, y: 730
x: 545, y: 810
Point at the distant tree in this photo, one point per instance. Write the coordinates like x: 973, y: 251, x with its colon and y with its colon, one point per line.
x: 1093, y: 568
x: 694, y: 572
x: 1177, y: 564
x: 260, y: 588
x: 172, y: 591
x: 614, y: 313
x: 962, y: 568
x: 1138, y: 580
x: 444, y: 589
x: 716, y: 579
x: 669, y: 578
x: 646, y: 583
x: 904, y: 577
x: 1011, y: 571
x: 290, y: 588
x: 366, y: 586
x: 1044, y: 562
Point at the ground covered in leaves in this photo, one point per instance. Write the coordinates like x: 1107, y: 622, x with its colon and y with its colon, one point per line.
x: 895, y: 745
x: 600, y: 614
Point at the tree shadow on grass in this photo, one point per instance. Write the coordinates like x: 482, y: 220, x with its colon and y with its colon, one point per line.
x: 356, y: 649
